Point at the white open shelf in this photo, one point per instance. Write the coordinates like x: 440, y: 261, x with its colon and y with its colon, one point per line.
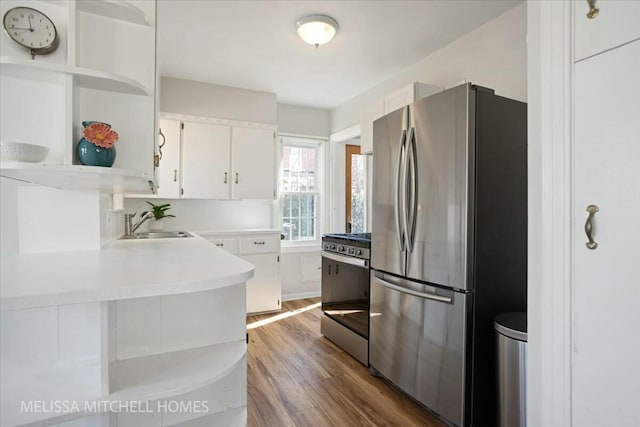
x: 172, y: 374
x: 85, y: 77
x: 115, y: 9
x: 63, y: 384
x: 78, y: 177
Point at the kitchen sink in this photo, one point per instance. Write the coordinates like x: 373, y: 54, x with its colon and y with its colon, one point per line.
x: 157, y: 235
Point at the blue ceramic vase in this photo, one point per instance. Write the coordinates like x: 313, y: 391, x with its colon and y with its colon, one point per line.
x: 91, y: 155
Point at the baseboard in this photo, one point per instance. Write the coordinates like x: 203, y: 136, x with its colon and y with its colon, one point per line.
x: 300, y: 295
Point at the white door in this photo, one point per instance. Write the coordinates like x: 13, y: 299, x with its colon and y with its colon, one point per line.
x: 264, y: 289
x: 169, y: 167
x: 254, y: 164
x: 606, y: 288
x: 206, y: 152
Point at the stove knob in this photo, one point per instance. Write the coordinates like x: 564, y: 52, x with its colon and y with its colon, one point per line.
x: 341, y: 248
x: 351, y: 251
x: 333, y: 247
x: 359, y: 252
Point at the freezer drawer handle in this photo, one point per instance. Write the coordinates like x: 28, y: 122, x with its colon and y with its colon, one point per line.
x: 404, y: 290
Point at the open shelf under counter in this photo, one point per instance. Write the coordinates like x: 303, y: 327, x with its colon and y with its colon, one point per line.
x: 78, y: 177
x: 172, y: 374
x: 85, y: 77
x: 115, y: 9
x: 59, y: 386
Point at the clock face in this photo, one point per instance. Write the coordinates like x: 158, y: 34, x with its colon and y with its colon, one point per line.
x: 31, y: 29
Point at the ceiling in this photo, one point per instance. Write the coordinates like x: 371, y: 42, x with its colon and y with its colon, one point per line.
x: 254, y: 45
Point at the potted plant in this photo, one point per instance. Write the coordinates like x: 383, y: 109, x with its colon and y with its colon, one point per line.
x: 159, y: 213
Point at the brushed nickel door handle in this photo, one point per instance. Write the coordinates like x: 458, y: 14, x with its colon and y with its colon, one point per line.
x: 225, y: 177
x: 588, y: 226
x: 175, y: 175
x: 237, y: 174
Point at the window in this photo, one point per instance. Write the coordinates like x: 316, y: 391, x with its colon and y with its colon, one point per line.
x: 300, y: 185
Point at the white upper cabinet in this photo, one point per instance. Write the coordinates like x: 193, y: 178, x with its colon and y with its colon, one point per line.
x: 253, y: 163
x: 616, y: 23
x: 206, y: 152
x: 391, y: 102
x: 204, y: 158
x: 103, y: 70
x: 370, y: 114
x: 169, y: 162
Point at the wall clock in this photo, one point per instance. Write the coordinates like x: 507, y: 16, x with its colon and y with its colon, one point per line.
x: 31, y: 29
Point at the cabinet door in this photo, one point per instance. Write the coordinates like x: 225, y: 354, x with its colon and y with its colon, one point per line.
x: 616, y: 24
x: 206, y: 151
x: 606, y: 290
x: 370, y: 114
x: 264, y: 289
x: 169, y: 167
x: 229, y: 244
x: 400, y: 98
x: 254, y: 164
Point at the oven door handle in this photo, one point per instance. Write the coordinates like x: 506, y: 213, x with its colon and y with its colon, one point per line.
x: 346, y: 259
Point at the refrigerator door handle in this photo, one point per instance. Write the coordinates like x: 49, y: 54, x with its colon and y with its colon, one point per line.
x: 411, y: 189
x: 383, y: 280
x: 400, y: 230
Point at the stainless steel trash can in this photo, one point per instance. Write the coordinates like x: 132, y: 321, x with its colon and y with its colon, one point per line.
x: 511, y: 333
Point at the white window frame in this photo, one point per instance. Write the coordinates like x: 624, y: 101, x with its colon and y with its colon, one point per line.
x: 319, y: 145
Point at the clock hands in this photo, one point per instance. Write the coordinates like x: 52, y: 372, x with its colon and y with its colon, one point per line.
x: 30, y: 26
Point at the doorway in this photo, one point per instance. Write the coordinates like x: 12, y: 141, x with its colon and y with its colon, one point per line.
x: 355, y: 189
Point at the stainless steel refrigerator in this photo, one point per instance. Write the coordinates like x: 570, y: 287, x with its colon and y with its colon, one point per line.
x: 449, y: 246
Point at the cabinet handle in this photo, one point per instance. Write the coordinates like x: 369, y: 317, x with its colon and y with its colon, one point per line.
x: 588, y: 226
x: 593, y: 11
x: 220, y: 244
x: 258, y: 243
x: 236, y: 177
x: 225, y: 177
x: 175, y: 175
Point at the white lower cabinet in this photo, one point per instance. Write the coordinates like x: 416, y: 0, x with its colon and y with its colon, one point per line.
x: 264, y: 290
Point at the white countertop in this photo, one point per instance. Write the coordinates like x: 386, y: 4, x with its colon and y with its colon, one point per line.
x: 123, y: 269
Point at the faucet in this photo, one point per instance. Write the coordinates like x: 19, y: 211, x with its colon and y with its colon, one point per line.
x: 130, y: 228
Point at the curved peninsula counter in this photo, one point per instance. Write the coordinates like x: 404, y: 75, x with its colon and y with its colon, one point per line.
x: 141, y: 333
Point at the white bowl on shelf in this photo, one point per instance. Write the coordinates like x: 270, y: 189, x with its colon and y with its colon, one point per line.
x: 22, y: 152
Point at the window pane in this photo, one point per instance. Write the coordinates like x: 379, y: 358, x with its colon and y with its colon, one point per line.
x: 298, y: 169
x: 298, y: 222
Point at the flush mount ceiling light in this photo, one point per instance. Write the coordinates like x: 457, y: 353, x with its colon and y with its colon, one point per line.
x: 317, y: 29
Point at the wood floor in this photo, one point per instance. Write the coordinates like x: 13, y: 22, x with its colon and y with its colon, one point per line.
x: 296, y: 377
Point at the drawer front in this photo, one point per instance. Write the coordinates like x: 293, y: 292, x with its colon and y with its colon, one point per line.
x: 228, y: 244
x: 259, y: 244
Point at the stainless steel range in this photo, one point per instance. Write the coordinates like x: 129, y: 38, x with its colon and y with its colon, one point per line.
x: 345, y: 292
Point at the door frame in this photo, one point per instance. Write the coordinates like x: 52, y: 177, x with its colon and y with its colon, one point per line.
x: 550, y: 188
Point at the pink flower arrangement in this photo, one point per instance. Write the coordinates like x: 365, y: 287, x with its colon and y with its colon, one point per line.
x: 100, y: 134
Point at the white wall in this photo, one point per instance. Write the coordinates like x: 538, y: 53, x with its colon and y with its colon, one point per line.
x: 223, y: 102
x: 306, y: 121
x: 36, y: 219
x: 203, y: 215
x: 300, y: 273
x: 493, y: 55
